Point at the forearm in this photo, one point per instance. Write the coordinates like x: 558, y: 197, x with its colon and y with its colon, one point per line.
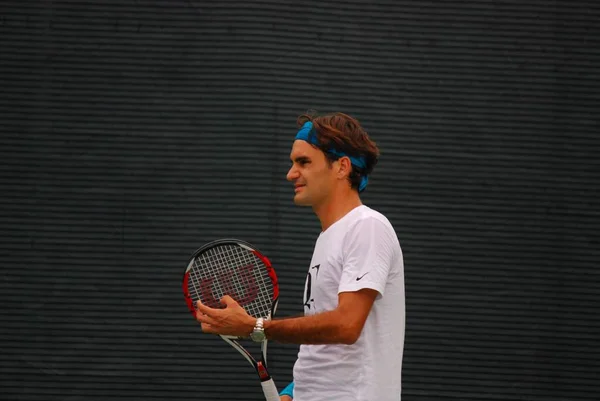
x: 323, y: 328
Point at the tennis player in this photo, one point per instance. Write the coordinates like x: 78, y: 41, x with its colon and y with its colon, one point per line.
x: 352, y: 333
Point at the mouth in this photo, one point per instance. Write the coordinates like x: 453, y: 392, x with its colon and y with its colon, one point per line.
x: 298, y: 188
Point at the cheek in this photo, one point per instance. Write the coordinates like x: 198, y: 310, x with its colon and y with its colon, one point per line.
x: 321, y: 179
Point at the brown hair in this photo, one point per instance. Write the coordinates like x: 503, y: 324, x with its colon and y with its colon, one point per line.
x: 343, y: 133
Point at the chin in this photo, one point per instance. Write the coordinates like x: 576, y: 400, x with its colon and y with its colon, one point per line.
x: 300, y: 201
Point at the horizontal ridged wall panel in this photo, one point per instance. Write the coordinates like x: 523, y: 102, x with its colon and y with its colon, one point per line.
x: 133, y: 132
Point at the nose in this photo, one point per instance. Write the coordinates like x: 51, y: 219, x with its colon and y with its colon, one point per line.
x: 292, y: 174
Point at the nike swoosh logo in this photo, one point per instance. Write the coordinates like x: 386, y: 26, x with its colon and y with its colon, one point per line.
x: 359, y: 278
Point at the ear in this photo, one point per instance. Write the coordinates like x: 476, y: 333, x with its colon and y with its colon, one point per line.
x: 345, y: 167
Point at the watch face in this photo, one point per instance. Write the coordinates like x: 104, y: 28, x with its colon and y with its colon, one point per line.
x: 257, y: 336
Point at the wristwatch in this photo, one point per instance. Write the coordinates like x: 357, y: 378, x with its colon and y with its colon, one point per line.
x: 258, y: 334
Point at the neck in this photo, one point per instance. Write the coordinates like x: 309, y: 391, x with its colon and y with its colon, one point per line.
x: 336, y: 207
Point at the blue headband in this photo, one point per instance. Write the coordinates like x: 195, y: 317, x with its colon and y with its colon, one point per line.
x: 308, y: 134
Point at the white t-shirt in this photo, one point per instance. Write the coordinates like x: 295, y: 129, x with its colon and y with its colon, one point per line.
x: 361, y: 250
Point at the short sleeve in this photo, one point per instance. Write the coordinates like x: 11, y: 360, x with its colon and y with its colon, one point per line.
x: 368, y: 255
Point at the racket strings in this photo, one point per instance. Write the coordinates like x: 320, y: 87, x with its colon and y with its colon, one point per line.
x: 232, y: 270
x: 264, y: 299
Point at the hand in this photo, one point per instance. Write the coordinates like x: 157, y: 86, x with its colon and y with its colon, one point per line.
x: 231, y: 321
x: 285, y: 398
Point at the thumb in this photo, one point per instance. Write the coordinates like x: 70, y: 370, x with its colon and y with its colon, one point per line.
x: 228, y: 301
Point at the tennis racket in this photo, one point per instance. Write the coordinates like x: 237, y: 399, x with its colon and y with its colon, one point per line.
x: 235, y: 268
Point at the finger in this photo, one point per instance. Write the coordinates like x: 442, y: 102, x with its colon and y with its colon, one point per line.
x: 208, y: 328
x: 206, y: 309
x: 202, y: 318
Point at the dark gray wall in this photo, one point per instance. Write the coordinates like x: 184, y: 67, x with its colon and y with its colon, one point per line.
x: 133, y: 132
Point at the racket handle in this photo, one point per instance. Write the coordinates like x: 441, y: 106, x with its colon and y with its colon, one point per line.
x: 271, y: 393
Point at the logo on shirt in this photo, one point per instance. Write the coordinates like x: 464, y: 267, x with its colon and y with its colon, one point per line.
x: 360, y: 277
x: 308, y: 300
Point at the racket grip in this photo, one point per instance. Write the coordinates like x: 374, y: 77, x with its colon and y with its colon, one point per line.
x: 271, y: 393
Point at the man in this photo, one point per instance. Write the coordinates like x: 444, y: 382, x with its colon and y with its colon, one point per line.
x: 352, y: 333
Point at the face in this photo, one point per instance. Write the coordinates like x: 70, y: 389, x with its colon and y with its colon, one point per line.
x: 313, y: 177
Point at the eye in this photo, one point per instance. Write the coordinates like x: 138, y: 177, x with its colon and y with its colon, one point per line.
x: 300, y: 162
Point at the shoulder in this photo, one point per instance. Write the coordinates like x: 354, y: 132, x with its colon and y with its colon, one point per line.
x: 368, y: 223
x: 366, y: 215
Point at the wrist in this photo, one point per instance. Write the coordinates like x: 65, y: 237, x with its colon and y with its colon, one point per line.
x: 288, y: 391
x: 251, y: 323
x: 266, y: 325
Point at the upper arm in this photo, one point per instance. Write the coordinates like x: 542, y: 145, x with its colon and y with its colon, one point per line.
x: 370, y: 251
x: 354, y: 308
